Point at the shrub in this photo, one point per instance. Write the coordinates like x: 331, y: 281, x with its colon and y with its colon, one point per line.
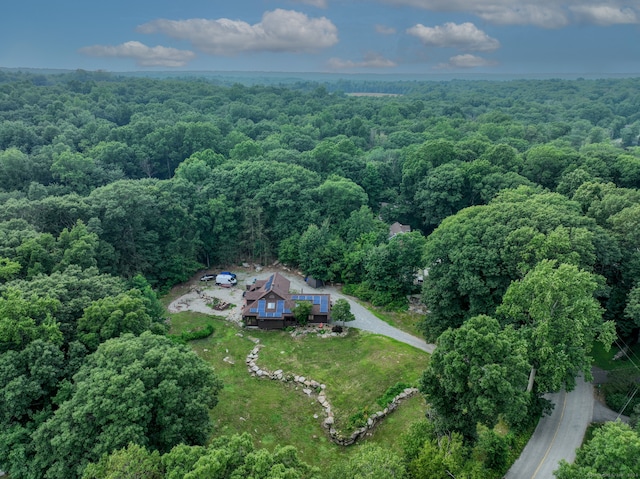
x: 619, y: 386
x: 492, y: 449
x: 358, y: 290
x: 412, y: 441
x: 359, y: 419
x: 377, y: 298
x: 336, y: 329
x: 391, y: 393
x: 187, y: 336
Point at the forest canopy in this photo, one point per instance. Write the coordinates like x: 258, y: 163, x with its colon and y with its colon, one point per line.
x: 115, y: 188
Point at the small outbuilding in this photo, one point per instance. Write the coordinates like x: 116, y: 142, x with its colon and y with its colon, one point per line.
x: 313, y: 282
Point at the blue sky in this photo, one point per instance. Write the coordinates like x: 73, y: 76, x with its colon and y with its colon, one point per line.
x: 530, y: 37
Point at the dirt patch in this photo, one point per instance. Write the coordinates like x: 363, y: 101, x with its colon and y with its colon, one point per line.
x: 201, y: 294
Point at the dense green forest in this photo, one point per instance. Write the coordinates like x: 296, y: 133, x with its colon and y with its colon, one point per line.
x: 524, y: 203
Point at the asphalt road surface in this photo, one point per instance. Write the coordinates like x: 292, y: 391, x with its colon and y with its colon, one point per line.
x: 557, y: 435
x: 367, y: 321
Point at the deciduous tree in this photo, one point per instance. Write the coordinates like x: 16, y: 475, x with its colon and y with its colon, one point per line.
x: 371, y: 462
x: 554, y: 310
x: 477, y: 374
x: 474, y: 255
x: 341, y: 311
x: 146, y: 390
x: 614, y: 451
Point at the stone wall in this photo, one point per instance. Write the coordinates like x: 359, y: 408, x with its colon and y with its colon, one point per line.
x: 315, y: 389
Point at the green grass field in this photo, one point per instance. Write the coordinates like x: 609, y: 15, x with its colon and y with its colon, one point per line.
x: 604, y: 359
x: 356, y: 370
x: 406, y: 321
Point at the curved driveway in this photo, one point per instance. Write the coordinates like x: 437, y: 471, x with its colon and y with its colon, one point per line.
x: 557, y: 435
x: 367, y: 321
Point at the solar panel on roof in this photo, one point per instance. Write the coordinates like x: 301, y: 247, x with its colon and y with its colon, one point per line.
x: 324, y: 305
x: 269, y: 282
x: 317, y: 299
x: 262, y: 304
x: 278, y: 313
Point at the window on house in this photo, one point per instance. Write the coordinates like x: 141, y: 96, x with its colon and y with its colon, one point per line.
x: 271, y: 305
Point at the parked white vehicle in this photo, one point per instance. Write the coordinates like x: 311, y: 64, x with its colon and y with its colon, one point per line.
x: 226, y: 279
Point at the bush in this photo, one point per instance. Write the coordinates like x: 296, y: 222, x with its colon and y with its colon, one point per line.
x: 359, y: 419
x: 187, y: 336
x: 492, y: 449
x: 412, y: 441
x: 391, y: 393
x: 616, y: 401
x: 358, y: 290
x: 619, y: 386
x: 377, y: 298
x: 336, y: 329
x: 381, y: 298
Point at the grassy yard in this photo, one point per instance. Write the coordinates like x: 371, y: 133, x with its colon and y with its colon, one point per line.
x: 356, y: 370
x: 604, y: 359
x: 406, y: 321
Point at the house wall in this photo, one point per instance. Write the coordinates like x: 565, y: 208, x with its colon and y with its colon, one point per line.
x: 271, y: 324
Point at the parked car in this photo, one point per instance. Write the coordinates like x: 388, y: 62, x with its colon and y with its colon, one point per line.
x: 207, y: 277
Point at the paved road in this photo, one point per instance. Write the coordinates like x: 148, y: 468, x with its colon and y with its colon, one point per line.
x: 558, y: 435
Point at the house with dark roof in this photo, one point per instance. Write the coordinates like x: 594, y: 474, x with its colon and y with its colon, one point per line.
x: 398, y: 228
x: 268, y: 304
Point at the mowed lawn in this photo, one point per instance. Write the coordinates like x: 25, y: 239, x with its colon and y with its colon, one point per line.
x: 356, y: 369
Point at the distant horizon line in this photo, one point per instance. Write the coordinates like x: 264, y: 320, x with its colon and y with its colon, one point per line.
x: 449, y: 75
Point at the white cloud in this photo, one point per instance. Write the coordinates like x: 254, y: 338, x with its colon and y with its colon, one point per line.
x: 465, y: 36
x: 604, y: 14
x: 370, y: 60
x: 384, y: 30
x: 279, y: 31
x: 541, y: 13
x: 145, y: 56
x: 550, y: 16
x: 466, y: 61
x: 313, y: 3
